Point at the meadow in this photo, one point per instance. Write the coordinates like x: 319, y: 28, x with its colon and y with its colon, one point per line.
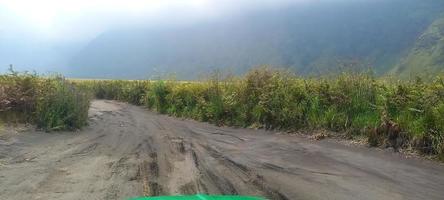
x: 389, y: 112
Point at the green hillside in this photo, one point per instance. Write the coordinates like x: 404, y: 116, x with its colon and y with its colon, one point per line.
x: 427, y: 55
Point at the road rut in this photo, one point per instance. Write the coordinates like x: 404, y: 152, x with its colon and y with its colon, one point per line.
x: 128, y: 151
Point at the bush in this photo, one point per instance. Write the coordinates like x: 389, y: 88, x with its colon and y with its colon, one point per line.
x: 52, y: 103
x: 158, y: 96
x: 60, y: 105
x: 18, y: 95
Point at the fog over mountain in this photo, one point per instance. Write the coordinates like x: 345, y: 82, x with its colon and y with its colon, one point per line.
x: 114, y: 39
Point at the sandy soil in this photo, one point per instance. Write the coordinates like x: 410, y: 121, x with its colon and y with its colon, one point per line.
x: 128, y: 151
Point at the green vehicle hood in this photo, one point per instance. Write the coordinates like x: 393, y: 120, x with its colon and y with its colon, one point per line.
x: 200, y: 197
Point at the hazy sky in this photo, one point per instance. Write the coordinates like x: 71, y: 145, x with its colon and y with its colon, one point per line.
x: 44, y: 34
x: 83, y: 19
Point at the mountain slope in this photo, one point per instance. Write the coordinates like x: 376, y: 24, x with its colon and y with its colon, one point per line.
x: 311, y: 39
x: 427, y: 55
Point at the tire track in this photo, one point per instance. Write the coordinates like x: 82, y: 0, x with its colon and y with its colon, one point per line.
x: 128, y: 151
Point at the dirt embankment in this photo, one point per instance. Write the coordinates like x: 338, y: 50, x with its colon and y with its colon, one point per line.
x: 128, y: 151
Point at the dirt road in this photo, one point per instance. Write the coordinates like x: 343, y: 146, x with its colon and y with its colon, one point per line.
x: 129, y: 151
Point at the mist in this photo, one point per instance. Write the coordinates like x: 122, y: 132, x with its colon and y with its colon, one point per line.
x: 70, y: 37
x: 41, y: 35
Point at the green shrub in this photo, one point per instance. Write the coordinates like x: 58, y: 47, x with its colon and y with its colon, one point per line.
x: 61, y: 105
x: 158, y: 95
x: 52, y: 103
x: 18, y: 95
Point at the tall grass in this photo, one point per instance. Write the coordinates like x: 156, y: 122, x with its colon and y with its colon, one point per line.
x: 52, y: 103
x: 391, y: 113
x: 129, y: 91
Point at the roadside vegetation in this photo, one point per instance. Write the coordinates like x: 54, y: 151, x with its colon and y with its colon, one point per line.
x: 52, y: 103
x: 398, y: 114
x: 390, y: 113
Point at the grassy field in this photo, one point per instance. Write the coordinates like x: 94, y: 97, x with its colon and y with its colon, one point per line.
x: 390, y: 113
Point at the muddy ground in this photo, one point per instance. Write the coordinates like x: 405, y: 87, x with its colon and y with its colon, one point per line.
x: 128, y: 151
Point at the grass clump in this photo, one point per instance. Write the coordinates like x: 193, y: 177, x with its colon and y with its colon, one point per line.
x: 60, y: 105
x: 18, y: 93
x: 128, y: 91
x: 52, y: 103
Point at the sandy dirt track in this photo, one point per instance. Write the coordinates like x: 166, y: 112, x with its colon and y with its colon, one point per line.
x: 128, y: 151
